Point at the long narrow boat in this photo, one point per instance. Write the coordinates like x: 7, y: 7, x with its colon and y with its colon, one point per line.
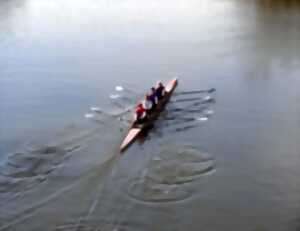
x: 136, y: 129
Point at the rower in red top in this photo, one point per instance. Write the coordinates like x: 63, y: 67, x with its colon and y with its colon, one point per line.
x: 160, y: 90
x: 140, y: 113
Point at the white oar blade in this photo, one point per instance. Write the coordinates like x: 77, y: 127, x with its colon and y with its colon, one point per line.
x: 119, y: 88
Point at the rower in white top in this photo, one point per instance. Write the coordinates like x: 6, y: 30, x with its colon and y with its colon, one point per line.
x: 148, y: 104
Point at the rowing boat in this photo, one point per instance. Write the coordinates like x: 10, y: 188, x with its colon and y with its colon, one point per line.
x: 136, y: 129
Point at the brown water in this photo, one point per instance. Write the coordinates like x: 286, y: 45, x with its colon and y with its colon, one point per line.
x: 223, y: 160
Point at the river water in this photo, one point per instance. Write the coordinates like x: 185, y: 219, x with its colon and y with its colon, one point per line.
x: 71, y: 71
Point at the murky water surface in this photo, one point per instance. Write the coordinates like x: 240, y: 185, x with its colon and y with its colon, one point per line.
x: 223, y: 156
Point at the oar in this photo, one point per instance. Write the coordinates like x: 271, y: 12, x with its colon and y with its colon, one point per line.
x: 183, y: 124
x: 127, y: 90
x: 99, y: 111
x: 186, y: 99
x: 196, y: 92
x: 176, y: 118
x: 180, y: 129
x: 201, y: 104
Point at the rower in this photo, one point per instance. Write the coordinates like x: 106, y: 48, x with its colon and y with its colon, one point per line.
x: 147, y: 104
x: 140, y: 113
x: 153, y: 97
x: 160, y: 90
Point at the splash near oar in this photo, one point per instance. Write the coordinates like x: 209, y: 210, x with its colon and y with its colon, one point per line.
x: 136, y: 128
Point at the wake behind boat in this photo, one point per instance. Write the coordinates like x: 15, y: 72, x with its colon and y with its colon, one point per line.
x: 136, y: 128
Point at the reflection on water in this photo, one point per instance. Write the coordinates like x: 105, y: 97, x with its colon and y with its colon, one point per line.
x: 63, y: 60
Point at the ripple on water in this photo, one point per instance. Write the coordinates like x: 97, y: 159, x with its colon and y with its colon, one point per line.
x: 24, y: 170
x: 148, y: 190
x: 167, y: 172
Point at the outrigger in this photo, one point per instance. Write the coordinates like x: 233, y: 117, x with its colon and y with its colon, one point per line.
x: 136, y: 128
